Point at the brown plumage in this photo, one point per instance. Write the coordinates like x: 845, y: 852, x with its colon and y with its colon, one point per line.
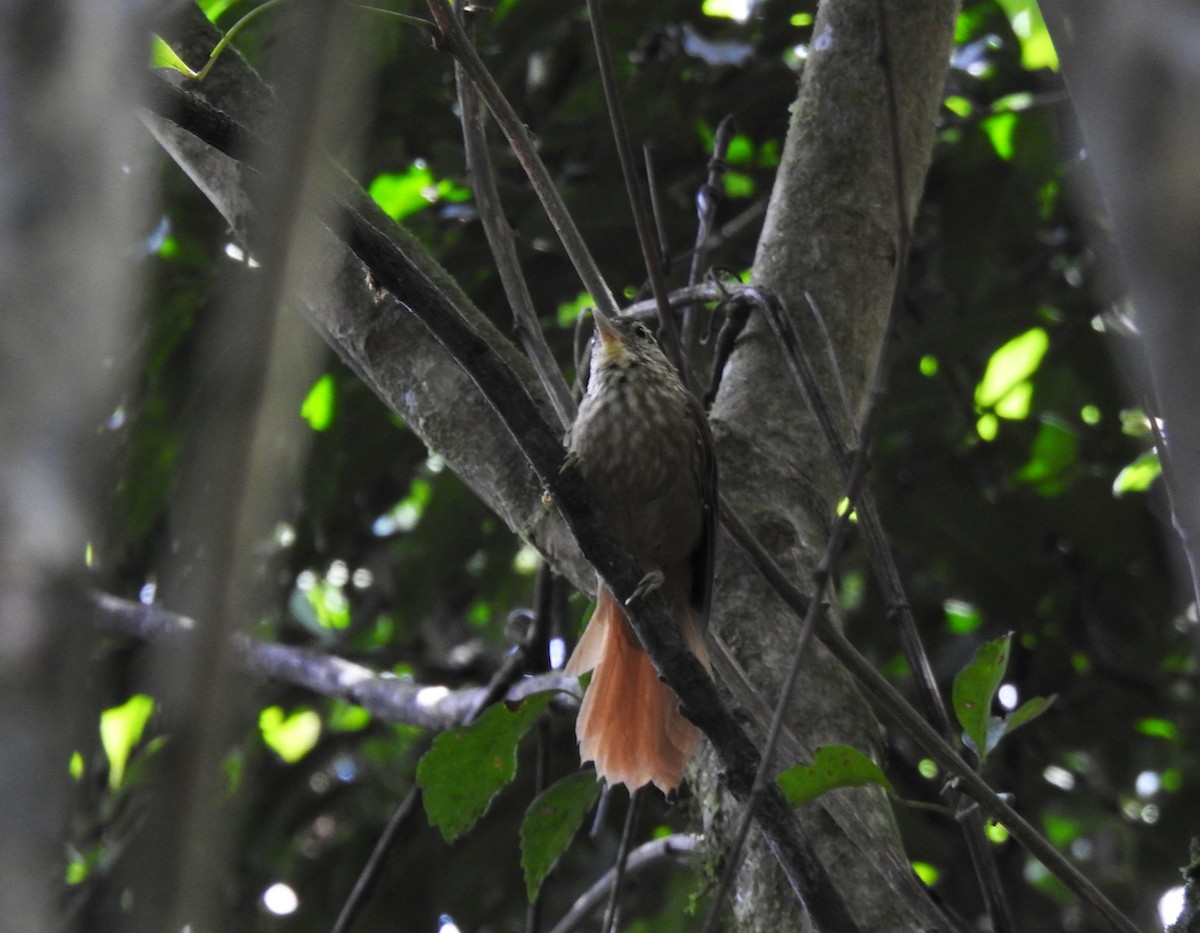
x: 644, y: 446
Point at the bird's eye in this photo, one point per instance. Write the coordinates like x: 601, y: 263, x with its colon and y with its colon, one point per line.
x: 641, y: 331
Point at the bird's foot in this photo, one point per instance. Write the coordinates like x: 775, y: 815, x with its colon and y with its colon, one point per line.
x: 650, y: 582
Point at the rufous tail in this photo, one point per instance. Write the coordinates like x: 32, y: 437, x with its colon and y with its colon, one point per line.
x: 629, y: 723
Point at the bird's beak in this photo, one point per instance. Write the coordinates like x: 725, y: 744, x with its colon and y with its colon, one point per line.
x: 611, y: 341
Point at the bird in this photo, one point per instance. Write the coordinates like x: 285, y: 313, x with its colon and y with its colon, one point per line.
x: 643, y: 445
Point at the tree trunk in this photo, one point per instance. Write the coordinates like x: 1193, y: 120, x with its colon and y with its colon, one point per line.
x: 831, y: 232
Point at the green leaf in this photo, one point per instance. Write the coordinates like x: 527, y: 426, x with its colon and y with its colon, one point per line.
x: 568, y: 313
x: 290, y: 737
x: 1139, y: 475
x: 1003, y: 387
x: 833, y: 766
x: 1028, y: 711
x: 1037, y: 51
x: 961, y: 617
x: 1001, y: 129
x: 120, y: 730
x: 467, y: 767
x: 409, y: 192
x: 1052, y: 457
x: 1157, y: 728
x: 550, y: 824
x: 318, y: 406
x: 163, y: 56
x: 975, y: 686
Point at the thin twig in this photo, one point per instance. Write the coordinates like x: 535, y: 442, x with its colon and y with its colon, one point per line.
x: 678, y: 847
x: 504, y: 250
x: 369, y: 874
x: 668, y: 332
x: 521, y: 140
x: 708, y: 198
x: 612, y: 908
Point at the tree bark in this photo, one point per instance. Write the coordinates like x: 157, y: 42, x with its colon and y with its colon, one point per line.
x: 831, y: 231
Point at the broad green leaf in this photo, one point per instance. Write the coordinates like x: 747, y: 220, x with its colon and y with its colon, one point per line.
x: 1003, y: 386
x: 975, y: 686
x: 550, y: 824
x: 290, y: 737
x: 833, y: 766
x: 1028, y: 711
x: 1001, y: 129
x: 467, y: 767
x: 120, y: 730
x: 403, y: 194
x: 318, y: 406
x: 163, y: 56
x: 1139, y: 475
x: 1037, y: 51
x: 1051, y: 457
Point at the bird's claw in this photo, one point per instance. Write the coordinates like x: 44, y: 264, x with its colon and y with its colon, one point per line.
x: 650, y: 582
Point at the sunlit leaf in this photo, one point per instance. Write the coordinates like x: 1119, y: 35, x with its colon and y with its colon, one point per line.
x: 833, y: 766
x: 1052, y: 456
x: 961, y: 617
x: 75, y: 766
x: 1005, y: 377
x: 928, y: 874
x: 290, y: 737
x: 163, y: 56
x: 120, y: 730
x: 569, y: 312
x: 214, y: 8
x: 737, y: 10
x: 1001, y: 129
x: 974, y: 688
x: 1157, y: 728
x: 550, y: 824
x: 318, y: 406
x: 406, y: 193
x: 1037, y: 50
x: 1139, y: 475
x: 467, y: 767
x: 738, y: 185
x: 1059, y: 829
x: 346, y: 717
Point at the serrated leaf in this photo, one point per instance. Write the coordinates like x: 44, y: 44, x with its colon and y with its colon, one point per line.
x: 467, y: 767
x: 975, y: 686
x: 833, y: 766
x: 163, y: 56
x: 550, y: 824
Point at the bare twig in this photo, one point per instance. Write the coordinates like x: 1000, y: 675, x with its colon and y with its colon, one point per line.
x: 526, y: 152
x: 366, y: 878
x: 679, y: 847
x: 504, y: 250
x: 708, y: 198
x: 668, y: 332
x: 429, y: 706
x: 612, y: 908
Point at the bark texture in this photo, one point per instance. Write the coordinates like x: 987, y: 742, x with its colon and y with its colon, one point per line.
x: 831, y: 231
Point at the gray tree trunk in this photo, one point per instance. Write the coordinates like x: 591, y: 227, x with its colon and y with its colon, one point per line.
x: 830, y: 231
